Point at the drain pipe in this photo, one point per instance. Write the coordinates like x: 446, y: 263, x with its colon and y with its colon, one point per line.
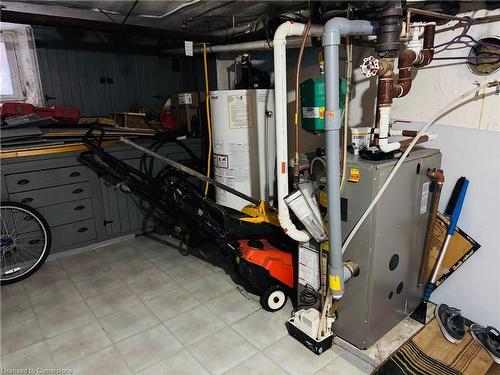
x: 333, y: 31
x: 285, y: 30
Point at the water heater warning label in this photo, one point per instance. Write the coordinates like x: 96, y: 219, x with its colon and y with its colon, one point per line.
x: 240, y: 111
x: 239, y: 153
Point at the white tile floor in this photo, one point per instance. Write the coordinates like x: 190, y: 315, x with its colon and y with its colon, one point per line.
x: 141, y: 306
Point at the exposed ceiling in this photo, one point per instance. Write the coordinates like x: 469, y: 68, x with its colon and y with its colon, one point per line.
x: 186, y: 15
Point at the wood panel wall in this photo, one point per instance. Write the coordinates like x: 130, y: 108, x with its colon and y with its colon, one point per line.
x: 71, y: 76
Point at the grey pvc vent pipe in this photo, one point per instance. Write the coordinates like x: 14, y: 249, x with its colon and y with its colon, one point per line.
x: 334, y: 29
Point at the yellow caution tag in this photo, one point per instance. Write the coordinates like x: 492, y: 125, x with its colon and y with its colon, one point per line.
x: 321, y: 113
x: 354, y: 175
x: 334, y: 282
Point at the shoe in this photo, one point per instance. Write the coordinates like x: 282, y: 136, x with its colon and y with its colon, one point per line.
x: 451, y: 323
x: 489, y: 338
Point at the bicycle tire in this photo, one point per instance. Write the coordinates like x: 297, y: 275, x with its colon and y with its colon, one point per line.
x: 47, y: 235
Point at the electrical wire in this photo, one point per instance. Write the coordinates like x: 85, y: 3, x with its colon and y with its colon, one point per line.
x: 346, y: 110
x: 130, y: 11
x: 209, y: 126
x: 467, y: 58
x: 296, y: 163
x: 308, y: 297
x: 463, y: 34
x: 451, y: 105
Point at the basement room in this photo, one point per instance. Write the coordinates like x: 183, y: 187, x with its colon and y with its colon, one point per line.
x: 196, y: 187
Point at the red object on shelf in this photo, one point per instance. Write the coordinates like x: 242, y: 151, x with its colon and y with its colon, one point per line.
x: 67, y: 115
x: 16, y: 109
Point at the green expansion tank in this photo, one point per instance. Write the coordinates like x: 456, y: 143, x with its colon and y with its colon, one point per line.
x: 312, y: 101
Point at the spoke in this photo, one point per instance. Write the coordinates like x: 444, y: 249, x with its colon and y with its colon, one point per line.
x: 15, y: 258
x: 14, y: 219
x: 22, y: 228
x: 3, y: 225
x: 31, y: 234
x: 29, y: 245
x: 18, y: 229
x: 21, y: 224
x: 26, y: 253
x: 13, y: 222
x: 30, y: 251
x: 35, y: 233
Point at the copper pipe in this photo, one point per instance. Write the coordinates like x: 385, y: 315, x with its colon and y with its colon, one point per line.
x: 405, y: 63
x: 384, y: 95
x: 425, y: 56
x: 438, y: 177
x: 409, y: 12
x: 406, y: 142
x: 296, y: 170
x: 409, y: 133
x: 387, y: 89
x: 404, y: 133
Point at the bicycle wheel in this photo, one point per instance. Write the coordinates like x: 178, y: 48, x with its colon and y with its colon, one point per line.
x: 25, y: 241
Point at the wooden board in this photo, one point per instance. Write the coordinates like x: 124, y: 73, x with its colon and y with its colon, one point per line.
x: 96, y: 120
x: 461, y: 247
x: 44, y: 150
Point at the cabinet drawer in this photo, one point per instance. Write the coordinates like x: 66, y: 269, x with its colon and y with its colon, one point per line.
x: 53, y: 195
x: 69, y: 234
x: 69, y: 212
x: 45, y: 178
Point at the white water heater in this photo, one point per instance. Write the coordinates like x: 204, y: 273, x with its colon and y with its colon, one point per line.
x: 244, y: 148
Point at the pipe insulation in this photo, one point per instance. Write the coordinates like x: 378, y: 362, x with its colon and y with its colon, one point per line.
x: 334, y: 29
x: 284, y: 31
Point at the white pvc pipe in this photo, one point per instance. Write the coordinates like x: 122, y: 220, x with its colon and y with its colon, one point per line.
x: 399, y: 133
x: 384, y: 121
x: 280, y: 98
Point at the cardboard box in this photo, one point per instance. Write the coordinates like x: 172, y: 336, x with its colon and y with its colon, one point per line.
x: 186, y: 109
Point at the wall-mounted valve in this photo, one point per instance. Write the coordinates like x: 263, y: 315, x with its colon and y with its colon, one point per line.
x: 370, y: 66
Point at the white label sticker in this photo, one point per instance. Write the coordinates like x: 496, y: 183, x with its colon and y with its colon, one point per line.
x: 309, y: 266
x: 185, y: 99
x: 425, y: 197
x: 188, y: 47
x: 240, y: 111
x: 239, y: 161
x: 310, y: 112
